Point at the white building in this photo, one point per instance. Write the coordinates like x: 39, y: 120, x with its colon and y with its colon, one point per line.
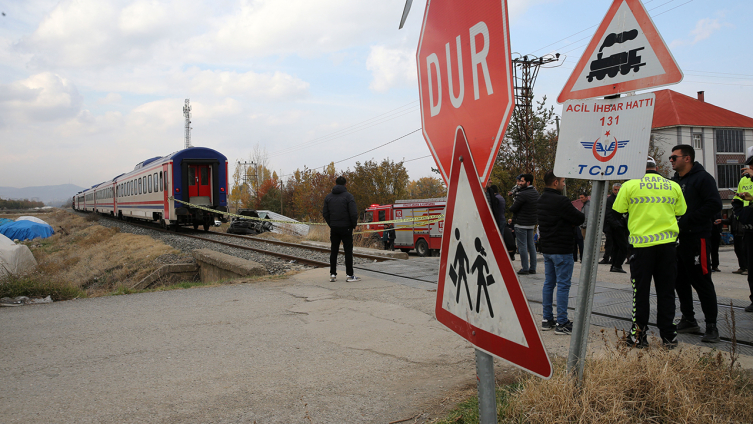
x: 720, y: 137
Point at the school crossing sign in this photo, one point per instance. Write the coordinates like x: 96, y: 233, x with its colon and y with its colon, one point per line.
x: 478, y: 294
x: 605, y: 139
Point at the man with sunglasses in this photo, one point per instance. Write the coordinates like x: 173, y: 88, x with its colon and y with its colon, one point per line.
x: 693, y: 249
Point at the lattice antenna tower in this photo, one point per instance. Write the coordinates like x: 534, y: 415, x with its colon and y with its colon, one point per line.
x: 187, y: 114
x: 525, y: 71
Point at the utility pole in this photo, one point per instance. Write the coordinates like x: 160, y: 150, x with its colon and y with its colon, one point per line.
x: 525, y: 72
x: 187, y: 115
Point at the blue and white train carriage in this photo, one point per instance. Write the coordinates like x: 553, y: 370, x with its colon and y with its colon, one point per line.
x: 196, y: 175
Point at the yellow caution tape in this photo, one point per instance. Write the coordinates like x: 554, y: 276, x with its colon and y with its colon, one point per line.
x: 430, y: 219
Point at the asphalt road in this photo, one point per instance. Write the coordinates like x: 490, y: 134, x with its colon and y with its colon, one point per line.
x: 303, y: 350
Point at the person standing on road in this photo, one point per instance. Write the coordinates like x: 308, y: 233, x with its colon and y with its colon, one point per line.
x: 524, y: 215
x: 558, y: 221
x: 693, y: 249
x: 653, y: 231
x: 341, y: 214
x: 586, y: 200
x: 607, y: 229
x: 716, y: 240
x: 743, y: 208
x: 617, y: 223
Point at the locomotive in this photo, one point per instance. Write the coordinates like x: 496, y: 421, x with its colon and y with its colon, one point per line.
x: 196, y: 175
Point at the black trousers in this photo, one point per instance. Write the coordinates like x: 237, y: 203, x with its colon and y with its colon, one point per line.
x: 749, y: 246
x: 741, y: 251
x: 344, y: 235
x: 660, y: 263
x: 716, y: 238
x: 607, y: 245
x: 694, y: 269
x: 619, y: 246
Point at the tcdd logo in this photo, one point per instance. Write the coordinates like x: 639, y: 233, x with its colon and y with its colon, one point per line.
x: 605, y: 154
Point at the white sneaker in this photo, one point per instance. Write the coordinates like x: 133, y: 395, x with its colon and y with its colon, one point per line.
x: 352, y: 278
x: 332, y: 278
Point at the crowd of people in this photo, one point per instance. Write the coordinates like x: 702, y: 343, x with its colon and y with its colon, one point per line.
x: 672, y: 239
x: 666, y: 230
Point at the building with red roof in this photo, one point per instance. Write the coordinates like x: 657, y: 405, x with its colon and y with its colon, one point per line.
x: 719, y: 136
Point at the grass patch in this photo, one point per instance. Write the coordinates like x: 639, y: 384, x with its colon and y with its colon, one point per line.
x: 36, y: 286
x: 622, y: 384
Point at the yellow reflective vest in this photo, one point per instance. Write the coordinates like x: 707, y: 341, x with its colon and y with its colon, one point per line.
x: 653, y: 203
x: 745, y: 185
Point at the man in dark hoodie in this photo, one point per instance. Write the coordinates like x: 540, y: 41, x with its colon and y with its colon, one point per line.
x: 558, y: 221
x: 341, y: 215
x: 693, y: 250
x: 524, y: 216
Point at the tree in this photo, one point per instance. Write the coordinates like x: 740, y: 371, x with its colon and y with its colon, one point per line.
x: 372, y: 183
x: 240, y: 195
x: 527, y: 151
x: 426, y: 188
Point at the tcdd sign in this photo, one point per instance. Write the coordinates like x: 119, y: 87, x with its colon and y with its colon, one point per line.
x: 465, y: 79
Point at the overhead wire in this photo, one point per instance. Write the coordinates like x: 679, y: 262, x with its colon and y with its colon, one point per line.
x: 366, y: 151
x: 368, y: 123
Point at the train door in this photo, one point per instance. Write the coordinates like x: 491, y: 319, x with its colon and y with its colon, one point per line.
x: 200, y: 184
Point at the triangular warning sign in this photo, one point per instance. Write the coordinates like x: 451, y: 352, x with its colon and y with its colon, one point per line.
x: 478, y: 293
x: 627, y: 53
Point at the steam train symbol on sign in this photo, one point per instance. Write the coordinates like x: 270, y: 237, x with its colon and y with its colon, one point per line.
x: 602, y: 153
x: 622, y: 62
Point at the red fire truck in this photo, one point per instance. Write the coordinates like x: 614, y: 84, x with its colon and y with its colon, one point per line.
x: 425, y: 238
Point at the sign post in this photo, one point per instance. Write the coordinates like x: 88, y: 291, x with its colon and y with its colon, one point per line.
x: 608, y: 139
x: 467, y: 97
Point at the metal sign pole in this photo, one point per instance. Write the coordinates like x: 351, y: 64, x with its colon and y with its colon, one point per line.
x: 487, y: 398
x: 587, y: 283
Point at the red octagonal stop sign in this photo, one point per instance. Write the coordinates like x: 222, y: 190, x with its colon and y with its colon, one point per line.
x: 465, y: 79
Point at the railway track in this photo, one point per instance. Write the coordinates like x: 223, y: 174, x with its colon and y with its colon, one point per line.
x: 263, y: 246
x: 741, y: 339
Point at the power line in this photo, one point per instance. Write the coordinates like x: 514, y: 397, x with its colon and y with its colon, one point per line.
x: 367, y: 151
x: 379, y: 119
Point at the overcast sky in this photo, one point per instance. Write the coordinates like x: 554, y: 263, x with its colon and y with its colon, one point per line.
x: 88, y: 88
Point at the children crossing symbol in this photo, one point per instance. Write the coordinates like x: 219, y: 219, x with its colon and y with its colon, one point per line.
x: 500, y: 322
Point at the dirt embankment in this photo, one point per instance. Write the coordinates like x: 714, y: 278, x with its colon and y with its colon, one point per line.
x: 84, y: 258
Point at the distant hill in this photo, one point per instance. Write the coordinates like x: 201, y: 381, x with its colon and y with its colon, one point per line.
x: 54, y: 195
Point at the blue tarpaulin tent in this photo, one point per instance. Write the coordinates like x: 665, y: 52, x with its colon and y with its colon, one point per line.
x: 23, y: 230
x: 4, y: 221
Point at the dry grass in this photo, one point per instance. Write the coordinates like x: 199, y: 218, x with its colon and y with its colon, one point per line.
x: 653, y: 385
x: 92, y: 259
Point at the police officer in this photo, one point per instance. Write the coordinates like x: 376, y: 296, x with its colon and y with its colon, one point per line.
x: 743, y: 207
x: 653, y: 203
x: 693, y: 250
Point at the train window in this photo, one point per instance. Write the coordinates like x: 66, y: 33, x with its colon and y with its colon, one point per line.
x: 191, y: 176
x: 156, y: 183
x: 140, y: 186
x: 160, y: 181
x: 165, y: 181
x: 149, y: 185
x: 204, y: 175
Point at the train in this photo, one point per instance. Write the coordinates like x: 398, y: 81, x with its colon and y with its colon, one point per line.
x: 197, y: 175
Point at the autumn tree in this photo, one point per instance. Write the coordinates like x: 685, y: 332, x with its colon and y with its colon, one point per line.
x: 426, y: 188
x: 377, y: 183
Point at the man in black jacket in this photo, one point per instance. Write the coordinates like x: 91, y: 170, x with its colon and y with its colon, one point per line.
x: 341, y: 215
x: 618, y: 230
x: 558, y: 221
x: 524, y: 216
x: 693, y: 252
